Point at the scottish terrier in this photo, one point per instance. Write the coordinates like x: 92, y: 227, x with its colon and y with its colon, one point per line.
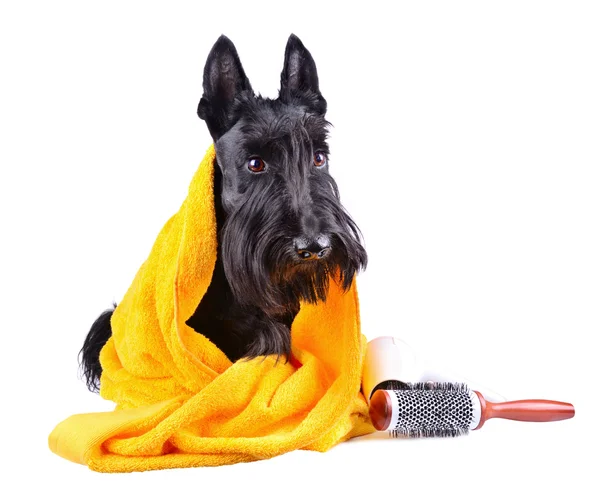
x: 282, y: 232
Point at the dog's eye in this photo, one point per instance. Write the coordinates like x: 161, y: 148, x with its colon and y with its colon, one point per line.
x: 256, y: 164
x: 320, y: 159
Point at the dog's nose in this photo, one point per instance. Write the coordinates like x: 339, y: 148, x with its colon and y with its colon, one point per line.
x: 312, y: 248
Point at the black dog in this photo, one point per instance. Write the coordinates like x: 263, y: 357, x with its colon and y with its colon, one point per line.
x: 282, y: 231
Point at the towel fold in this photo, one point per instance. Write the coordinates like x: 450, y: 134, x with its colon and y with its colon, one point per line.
x: 180, y: 402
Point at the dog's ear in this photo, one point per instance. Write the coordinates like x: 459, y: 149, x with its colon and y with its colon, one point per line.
x: 224, y: 80
x: 299, y: 79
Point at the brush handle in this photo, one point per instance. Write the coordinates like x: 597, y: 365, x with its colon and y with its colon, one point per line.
x: 525, y: 410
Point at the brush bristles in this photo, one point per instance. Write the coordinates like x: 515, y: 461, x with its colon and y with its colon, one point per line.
x: 422, y: 386
x: 424, y: 432
x: 428, y: 409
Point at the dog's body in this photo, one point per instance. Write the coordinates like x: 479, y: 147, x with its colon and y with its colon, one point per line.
x: 282, y: 231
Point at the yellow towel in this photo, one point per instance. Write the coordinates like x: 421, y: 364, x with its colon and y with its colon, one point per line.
x: 180, y: 401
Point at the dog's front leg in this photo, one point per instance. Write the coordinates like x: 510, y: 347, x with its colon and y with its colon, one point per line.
x: 264, y: 334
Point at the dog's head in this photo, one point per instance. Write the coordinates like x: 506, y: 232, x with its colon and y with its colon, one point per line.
x: 284, y: 230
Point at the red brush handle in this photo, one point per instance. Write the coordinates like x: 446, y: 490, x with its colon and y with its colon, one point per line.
x: 525, y: 410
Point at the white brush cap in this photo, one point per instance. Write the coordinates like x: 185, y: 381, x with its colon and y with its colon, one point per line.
x: 476, y: 410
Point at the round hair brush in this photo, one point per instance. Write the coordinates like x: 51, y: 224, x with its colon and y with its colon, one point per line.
x: 452, y: 409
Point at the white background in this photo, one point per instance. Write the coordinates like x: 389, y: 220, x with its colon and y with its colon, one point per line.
x: 465, y: 144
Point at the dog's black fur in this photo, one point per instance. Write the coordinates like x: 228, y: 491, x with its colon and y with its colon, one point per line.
x: 282, y: 231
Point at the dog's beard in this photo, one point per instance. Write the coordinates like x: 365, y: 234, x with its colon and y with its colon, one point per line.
x: 263, y: 269
x: 309, y: 281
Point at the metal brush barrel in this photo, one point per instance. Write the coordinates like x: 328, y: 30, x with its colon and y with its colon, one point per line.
x: 426, y: 410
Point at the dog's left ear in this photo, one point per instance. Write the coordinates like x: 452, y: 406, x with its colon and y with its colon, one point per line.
x: 299, y: 79
x: 224, y: 80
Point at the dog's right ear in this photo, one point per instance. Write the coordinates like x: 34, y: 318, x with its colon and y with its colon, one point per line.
x: 224, y: 80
